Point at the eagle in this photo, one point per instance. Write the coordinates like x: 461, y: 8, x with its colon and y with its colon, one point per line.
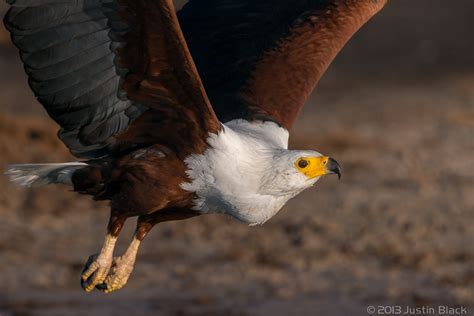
x: 177, y: 114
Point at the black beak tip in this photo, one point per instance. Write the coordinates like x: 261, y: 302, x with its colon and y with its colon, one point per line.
x: 334, y: 167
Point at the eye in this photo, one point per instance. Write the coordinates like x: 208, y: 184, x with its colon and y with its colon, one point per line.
x: 303, y: 163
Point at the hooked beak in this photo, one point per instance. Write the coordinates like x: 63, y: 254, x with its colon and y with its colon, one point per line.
x: 332, y: 166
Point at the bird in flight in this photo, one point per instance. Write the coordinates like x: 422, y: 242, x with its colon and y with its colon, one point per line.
x: 175, y: 115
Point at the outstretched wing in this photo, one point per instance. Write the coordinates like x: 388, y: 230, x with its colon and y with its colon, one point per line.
x: 99, y: 65
x: 261, y: 59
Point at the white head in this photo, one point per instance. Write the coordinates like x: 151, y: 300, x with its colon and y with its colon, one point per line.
x: 249, y: 173
x: 291, y: 171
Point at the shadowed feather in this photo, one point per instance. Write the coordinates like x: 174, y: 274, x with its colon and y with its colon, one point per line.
x: 261, y: 59
x: 96, y: 67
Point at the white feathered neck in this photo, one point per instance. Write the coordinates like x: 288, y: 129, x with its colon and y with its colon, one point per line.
x: 236, y: 175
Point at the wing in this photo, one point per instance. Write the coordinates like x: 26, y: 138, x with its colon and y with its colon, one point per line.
x: 104, y: 69
x: 261, y: 59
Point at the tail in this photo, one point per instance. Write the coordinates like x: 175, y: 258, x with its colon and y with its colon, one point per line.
x: 34, y: 175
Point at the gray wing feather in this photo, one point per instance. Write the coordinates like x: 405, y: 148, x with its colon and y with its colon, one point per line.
x: 68, y: 48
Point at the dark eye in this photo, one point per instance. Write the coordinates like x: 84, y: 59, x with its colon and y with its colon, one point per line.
x: 302, y: 163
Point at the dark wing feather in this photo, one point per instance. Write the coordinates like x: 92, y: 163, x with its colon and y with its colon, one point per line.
x: 261, y: 59
x: 98, y: 65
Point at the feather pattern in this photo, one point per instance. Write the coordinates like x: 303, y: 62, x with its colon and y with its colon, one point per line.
x: 34, y: 175
x: 66, y: 49
x: 261, y: 59
x: 96, y: 68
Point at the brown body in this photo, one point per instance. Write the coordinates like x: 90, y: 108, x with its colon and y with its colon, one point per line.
x: 144, y: 183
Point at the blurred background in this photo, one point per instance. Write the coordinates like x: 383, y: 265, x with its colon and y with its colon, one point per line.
x: 397, y: 111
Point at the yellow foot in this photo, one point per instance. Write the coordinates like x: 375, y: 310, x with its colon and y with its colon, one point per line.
x: 95, y: 271
x: 97, y: 266
x: 121, y: 269
x: 118, y: 276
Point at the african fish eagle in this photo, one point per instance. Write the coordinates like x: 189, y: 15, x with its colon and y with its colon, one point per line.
x: 120, y: 77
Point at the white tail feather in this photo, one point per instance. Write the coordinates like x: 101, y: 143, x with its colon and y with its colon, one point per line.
x: 33, y: 175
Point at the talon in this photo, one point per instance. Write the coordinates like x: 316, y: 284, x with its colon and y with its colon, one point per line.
x: 95, y: 272
x: 89, y: 268
x: 119, y: 273
x: 97, y: 266
x: 121, y: 269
